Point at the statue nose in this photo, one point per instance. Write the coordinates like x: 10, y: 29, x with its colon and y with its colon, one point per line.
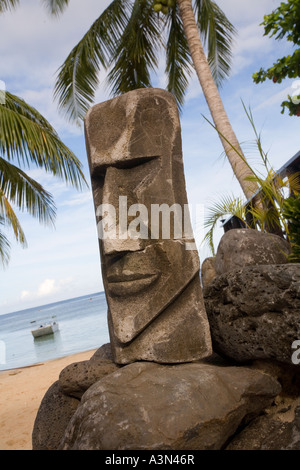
x: 116, y: 234
x: 112, y: 246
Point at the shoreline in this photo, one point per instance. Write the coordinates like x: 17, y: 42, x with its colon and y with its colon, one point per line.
x: 21, y: 392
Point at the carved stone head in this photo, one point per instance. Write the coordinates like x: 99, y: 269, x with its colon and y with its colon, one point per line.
x: 150, y: 276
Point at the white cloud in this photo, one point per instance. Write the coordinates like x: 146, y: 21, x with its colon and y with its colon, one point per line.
x: 25, y: 294
x: 46, y: 289
x: 250, y: 47
x: 78, y: 199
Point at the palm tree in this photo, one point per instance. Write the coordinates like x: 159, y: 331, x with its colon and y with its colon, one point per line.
x: 226, y: 133
x: 125, y: 39
x: 26, y: 138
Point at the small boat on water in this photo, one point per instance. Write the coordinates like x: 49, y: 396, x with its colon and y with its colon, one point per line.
x: 45, y: 328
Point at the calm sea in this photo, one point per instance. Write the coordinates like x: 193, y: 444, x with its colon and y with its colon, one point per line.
x: 82, y: 326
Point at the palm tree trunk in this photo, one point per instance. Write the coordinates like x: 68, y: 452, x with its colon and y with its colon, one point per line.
x: 213, y: 99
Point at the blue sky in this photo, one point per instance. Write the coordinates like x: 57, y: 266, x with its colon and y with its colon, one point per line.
x: 64, y: 262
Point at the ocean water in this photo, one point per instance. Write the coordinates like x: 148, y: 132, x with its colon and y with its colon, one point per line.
x: 82, y: 326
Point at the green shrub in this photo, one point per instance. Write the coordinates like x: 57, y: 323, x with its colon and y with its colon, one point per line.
x: 291, y: 211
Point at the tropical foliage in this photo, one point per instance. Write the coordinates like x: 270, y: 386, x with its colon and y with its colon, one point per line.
x: 26, y: 140
x: 284, y: 22
x: 268, y: 210
x: 291, y: 212
x: 126, y: 40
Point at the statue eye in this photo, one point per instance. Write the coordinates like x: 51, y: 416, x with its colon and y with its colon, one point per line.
x: 100, y: 171
x: 134, y: 163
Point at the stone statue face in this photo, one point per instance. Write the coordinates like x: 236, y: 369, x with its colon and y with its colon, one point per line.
x: 134, y: 149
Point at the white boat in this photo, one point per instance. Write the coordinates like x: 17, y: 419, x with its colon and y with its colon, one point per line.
x: 45, y: 329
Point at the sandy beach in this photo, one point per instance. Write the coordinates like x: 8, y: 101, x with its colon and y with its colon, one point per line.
x: 21, y: 392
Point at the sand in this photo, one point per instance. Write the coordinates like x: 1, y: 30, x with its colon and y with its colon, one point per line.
x: 21, y: 392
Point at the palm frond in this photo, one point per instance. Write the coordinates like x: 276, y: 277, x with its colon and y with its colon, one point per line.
x: 78, y: 77
x: 135, y: 53
x: 6, y: 5
x: 293, y: 182
x: 179, y: 63
x: 227, y: 205
x: 27, y: 137
x: 55, y: 7
x: 26, y: 193
x: 4, y: 246
x: 217, y: 33
x: 258, y: 139
x: 9, y: 218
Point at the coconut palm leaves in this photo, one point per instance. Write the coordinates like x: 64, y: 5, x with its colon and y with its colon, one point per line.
x: 26, y: 139
x: 135, y: 53
x: 178, y: 60
x: 78, y: 77
x: 4, y: 246
x: 55, y: 7
x: 217, y: 33
x: 8, y: 5
x: 126, y: 39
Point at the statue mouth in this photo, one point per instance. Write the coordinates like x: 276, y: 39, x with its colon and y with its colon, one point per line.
x: 126, y: 284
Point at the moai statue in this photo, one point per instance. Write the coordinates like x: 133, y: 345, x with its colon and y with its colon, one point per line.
x: 150, y: 273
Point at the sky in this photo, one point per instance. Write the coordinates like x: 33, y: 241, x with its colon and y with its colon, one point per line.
x: 64, y: 262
